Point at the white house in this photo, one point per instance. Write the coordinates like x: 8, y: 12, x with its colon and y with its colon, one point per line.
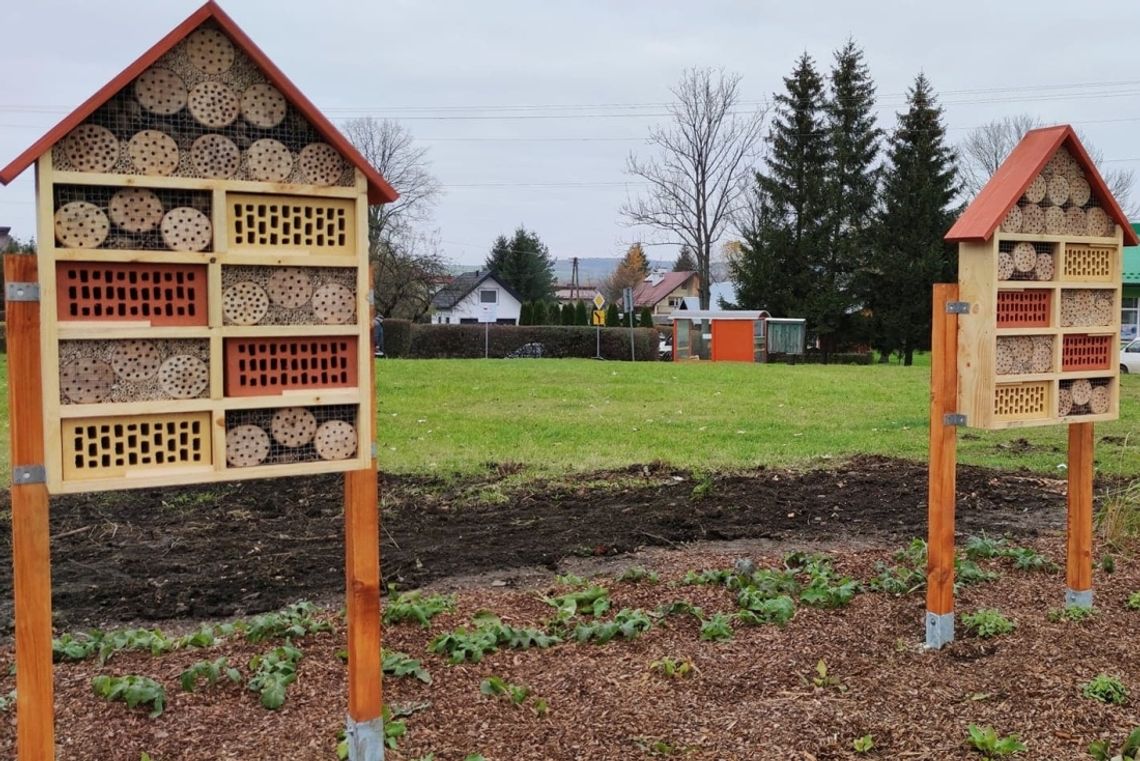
x: 475, y: 297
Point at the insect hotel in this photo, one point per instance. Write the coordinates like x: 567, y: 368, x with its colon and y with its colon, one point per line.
x: 1029, y: 335
x: 197, y: 310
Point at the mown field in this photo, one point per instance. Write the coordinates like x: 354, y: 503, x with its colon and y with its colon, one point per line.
x: 557, y: 416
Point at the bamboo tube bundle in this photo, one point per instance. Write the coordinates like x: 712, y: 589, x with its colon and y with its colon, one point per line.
x: 1075, y: 221
x: 1036, y: 191
x: 1005, y: 265
x: 1054, y: 220
x: 1044, y: 269
x: 1081, y: 389
x: 1012, y: 221
x: 1102, y: 311
x: 1064, y: 402
x: 1032, y: 219
x: 1101, y: 399
x: 1024, y: 257
x: 1042, y: 361
x: 1003, y: 357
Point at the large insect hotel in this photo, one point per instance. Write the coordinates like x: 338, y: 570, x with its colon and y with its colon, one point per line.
x: 1039, y: 269
x: 202, y: 275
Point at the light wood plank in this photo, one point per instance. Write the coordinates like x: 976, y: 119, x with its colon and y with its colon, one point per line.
x: 197, y: 183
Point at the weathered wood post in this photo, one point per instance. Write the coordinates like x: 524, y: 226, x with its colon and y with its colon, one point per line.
x: 31, y: 540
x: 1078, y: 561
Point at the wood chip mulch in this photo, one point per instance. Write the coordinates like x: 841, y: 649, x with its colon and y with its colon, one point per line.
x: 753, y: 696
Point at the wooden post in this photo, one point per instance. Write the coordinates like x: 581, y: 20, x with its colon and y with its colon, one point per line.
x: 365, y: 731
x: 1078, y: 563
x: 943, y: 464
x: 31, y: 538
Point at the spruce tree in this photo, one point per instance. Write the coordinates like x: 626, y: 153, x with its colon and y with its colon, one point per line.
x: 523, y: 262
x: 685, y: 261
x: 580, y: 315
x: 919, y: 187
x: 787, y: 234
x: 567, y: 314
x: 852, y: 193
x: 525, y: 313
x: 538, y: 313
x: 554, y: 313
x: 613, y: 317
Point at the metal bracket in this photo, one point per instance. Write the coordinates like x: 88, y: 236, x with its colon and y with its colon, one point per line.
x: 28, y: 474
x: 365, y: 739
x: 939, y: 630
x: 954, y: 418
x: 375, y: 450
x: 1081, y: 599
x: 957, y: 307
x: 22, y: 291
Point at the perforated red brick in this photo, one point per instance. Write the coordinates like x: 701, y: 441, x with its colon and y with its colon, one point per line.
x: 1024, y: 309
x: 161, y: 294
x: 267, y: 366
x: 1080, y: 352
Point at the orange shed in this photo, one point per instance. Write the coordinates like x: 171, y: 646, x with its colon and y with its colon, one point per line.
x: 735, y: 335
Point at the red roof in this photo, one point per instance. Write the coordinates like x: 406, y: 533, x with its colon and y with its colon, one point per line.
x: 648, y: 294
x: 982, y: 217
x: 379, y: 191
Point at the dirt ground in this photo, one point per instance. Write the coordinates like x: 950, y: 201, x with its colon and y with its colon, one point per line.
x: 178, y: 557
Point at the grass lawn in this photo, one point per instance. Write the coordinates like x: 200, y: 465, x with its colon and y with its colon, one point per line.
x: 556, y: 416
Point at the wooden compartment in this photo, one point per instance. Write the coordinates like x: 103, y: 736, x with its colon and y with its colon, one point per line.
x: 290, y: 435
x: 133, y: 370
x: 154, y: 294
x: 114, y: 447
x: 265, y: 366
x: 276, y: 223
x: 1081, y: 397
x: 255, y: 295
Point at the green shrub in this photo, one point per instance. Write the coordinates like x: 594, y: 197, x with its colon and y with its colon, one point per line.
x: 646, y: 319
x: 987, y: 623
x: 568, y: 316
x: 991, y: 745
x: 581, y: 316
x: 526, y: 313
x: 132, y: 690
x: 466, y: 341
x: 397, y: 338
x: 538, y: 313
x: 1106, y: 689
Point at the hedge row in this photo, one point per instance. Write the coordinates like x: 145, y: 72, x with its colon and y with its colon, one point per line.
x: 418, y: 341
x: 816, y: 358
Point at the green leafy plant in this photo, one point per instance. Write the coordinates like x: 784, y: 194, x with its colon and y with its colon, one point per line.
x: 272, y: 673
x: 673, y: 668
x: 656, y: 746
x: 717, y: 628
x: 679, y: 608
x: 474, y: 757
x: 1129, y: 751
x: 987, y: 622
x: 1072, y: 614
x: 986, y: 741
x: 594, y: 600
x: 968, y: 572
x: 1133, y: 601
x: 1106, y: 689
x: 494, y: 686
x: 708, y: 577
x: 863, y: 744
x: 398, y: 664
x: 628, y: 624
x: 776, y: 610
x: 487, y: 636
x: 413, y: 606
x: 394, y: 729
x: 823, y: 679
x: 636, y: 574
x: 293, y: 622
x: 702, y: 485
x: 133, y: 690
x: 822, y: 593
x: 1029, y: 559
x: 7, y: 701
x: 211, y: 672
x: 570, y: 580
x: 984, y: 547
x: 897, y: 580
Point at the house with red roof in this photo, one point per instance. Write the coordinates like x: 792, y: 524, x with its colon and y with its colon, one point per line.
x: 662, y: 292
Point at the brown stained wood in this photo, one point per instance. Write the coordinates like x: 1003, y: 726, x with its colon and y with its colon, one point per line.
x: 1078, y: 561
x: 943, y: 454
x: 31, y: 548
x: 362, y: 603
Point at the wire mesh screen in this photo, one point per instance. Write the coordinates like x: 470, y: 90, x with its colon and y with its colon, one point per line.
x: 1084, y: 396
x: 254, y: 295
x: 133, y: 370
x: 203, y: 110
x: 290, y: 435
x: 1059, y: 201
x: 1022, y: 260
x: 93, y: 217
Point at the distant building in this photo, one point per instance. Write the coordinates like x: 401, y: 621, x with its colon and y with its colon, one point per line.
x: 1130, y: 299
x: 662, y: 292
x: 569, y: 294
x: 474, y: 294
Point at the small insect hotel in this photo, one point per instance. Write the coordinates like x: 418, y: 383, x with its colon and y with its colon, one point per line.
x: 1028, y: 336
x: 203, y: 275
x: 197, y: 311
x: 1039, y: 263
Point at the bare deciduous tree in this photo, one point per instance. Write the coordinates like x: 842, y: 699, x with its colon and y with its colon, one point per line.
x: 409, y: 263
x: 986, y: 147
x: 697, y: 180
x: 388, y: 146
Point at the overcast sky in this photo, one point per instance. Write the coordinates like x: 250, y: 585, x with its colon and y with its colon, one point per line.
x: 530, y: 108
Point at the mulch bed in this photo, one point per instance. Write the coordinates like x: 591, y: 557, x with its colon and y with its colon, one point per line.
x: 752, y: 698
x: 180, y: 556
